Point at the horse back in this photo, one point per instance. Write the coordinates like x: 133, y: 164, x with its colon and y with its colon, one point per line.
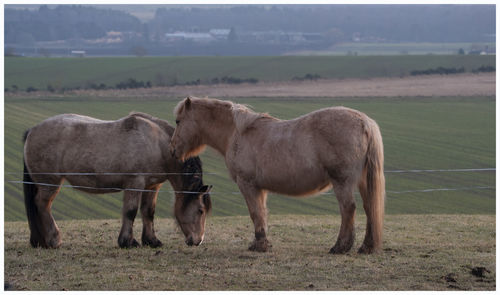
x: 69, y: 143
x: 308, y: 150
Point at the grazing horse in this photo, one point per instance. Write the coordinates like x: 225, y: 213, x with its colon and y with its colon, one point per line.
x: 335, y: 146
x: 95, y: 156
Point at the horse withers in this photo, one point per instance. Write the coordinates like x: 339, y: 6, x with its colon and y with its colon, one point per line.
x: 95, y: 156
x: 333, y: 147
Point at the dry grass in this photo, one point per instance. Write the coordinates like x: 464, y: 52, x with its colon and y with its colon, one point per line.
x: 421, y: 252
x: 482, y: 84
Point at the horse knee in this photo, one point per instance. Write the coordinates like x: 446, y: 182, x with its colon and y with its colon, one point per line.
x: 348, y: 207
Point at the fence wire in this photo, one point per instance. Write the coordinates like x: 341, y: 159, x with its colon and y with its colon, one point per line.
x: 213, y: 173
x: 117, y: 189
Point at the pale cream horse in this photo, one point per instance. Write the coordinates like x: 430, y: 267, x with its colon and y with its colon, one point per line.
x: 335, y: 146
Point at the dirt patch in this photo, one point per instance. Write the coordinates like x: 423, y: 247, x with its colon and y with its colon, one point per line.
x: 482, y: 84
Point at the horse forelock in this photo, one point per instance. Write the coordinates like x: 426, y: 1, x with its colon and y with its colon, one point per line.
x: 179, y: 107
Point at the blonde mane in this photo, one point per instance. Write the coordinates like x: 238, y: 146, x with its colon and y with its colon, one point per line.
x: 241, y: 114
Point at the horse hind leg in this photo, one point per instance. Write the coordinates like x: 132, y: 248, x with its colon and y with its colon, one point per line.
x: 148, y: 204
x: 48, y: 235
x: 372, y: 242
x: 129, y: 211
x: 345, y: 197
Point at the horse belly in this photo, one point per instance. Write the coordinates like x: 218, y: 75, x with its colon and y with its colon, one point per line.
x: 302, y: 182
x: 95, y: 184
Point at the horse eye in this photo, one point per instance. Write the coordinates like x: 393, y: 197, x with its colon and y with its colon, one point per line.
x: 200, y: 211
x: 177, y: 122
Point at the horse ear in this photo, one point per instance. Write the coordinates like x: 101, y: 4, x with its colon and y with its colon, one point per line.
x: 187, y: 103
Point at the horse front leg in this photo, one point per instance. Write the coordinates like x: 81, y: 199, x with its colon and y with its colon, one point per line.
x: 148, y: 205
x: 256, y: 201
x: 129, y: 211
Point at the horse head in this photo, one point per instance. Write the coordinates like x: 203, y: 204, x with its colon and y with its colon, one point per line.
x: 191, y: 214
x: 186, y: 141
x: 193, y: 203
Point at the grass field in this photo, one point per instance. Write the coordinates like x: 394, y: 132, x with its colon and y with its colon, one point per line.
x: 361, y: 48
x: 419, y: 133
x: 80, y: 72
x: 433, y: 239
x: 420, y: 252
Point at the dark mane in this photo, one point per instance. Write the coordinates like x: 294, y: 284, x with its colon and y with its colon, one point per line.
x: 192, y: 181
x: 192, y: 178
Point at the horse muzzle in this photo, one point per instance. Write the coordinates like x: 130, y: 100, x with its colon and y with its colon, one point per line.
x: 190, y: 242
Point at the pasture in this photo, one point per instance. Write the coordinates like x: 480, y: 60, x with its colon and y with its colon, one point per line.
x: 164, y: 71
x: 439, y: 230
x: 393, y: 48
x: 421, y: 252
x: 419, y: 133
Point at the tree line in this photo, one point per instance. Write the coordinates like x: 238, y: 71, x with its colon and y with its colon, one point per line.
x: 390, y: 23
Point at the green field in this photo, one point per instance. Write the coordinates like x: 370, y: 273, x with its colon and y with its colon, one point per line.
x: 419, y: 133
x: 80, y: 72
x: 361, y: 48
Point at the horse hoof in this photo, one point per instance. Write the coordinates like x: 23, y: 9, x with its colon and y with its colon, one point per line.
x: 35, y: 243
x: 132, y: 243
x: 153, y: 243
x: 367, y: 250
x: 260, y: 245
x: 338, y: 250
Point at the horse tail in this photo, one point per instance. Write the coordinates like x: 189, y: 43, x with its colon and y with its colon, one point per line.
x: 374, y: 188
x: 30, y: 191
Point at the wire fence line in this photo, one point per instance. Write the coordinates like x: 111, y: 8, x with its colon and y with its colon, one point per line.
x: 441, y: 170
x: 117, y: 189
x: 214, y: 173
x: 109, y: 173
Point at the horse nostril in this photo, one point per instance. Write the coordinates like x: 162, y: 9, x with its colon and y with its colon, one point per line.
x: 189, y: 241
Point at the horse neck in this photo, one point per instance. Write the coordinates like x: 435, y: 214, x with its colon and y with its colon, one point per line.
x: 220, y: 130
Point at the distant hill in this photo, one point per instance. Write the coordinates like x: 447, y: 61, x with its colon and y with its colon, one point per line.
x: 235, y: 30
x: 64, y: 22
x: 402, y: 23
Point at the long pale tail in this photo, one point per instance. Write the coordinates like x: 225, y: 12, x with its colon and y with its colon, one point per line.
x: 372, y: 189
x: 30, y: 191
